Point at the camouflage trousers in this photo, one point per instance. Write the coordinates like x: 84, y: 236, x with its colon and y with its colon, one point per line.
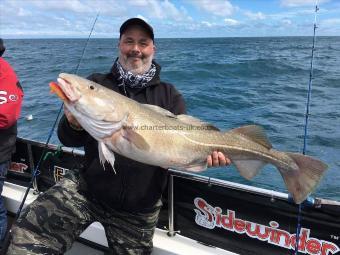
x: 57, y: 217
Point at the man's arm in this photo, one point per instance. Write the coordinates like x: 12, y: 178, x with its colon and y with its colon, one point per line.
x: 70, y: 133
x: 178, y: 104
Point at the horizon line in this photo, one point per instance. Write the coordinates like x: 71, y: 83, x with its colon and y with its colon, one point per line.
x: 25, y: 38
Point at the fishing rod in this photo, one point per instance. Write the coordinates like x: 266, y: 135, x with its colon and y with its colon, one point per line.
x: 36, y: 171
x: 311, y: 76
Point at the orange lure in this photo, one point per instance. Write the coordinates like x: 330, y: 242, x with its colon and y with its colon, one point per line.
x: 55, y: 89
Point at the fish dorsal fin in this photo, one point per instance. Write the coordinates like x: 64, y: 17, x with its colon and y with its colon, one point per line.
x: 187, y: 119
x: 254, y: 133
x: 160, y: 110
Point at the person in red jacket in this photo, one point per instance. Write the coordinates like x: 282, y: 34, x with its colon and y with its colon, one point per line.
x: 11, y: 95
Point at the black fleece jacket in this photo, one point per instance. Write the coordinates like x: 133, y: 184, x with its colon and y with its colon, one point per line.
x: 135, y: 187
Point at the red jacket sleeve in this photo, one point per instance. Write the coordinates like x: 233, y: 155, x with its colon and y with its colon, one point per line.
x: 11, y: 95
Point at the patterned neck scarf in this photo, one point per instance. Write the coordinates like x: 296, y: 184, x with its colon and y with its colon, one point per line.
x: 126, y: 78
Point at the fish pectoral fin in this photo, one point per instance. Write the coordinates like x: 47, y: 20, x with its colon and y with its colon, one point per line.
x: 105, y: 154
x: 249, y: 168
x: 187, y: 119
x: 160, y: 110
x: 254, y: 133
x: 135, y: 138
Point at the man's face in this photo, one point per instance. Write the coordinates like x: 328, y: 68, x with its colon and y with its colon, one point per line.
x: 136, y: 50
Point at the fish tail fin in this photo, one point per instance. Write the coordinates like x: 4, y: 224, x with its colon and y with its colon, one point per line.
x: 301, y: 182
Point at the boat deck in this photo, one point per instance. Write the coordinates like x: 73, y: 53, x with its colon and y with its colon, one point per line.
x: 163, y: 245
x: 93, y: 241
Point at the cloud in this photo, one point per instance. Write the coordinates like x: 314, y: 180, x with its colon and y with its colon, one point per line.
x: 22, y: 12
x: 291, y: 14
x: 140, y: 3
x: 286, y: 22
x: 255, y: 15
x: 207, y: 24
x: 61, y: 7
x: 75, y: 17
x: 71, y: 5
x: 155, y: 8
x: 142, y: 17
x: 170, y: 18
x: 329, y: 26
x: 78, y: 6
x: 31, y: 19
x: 160, y: 9
x: 298, y: 3
x: 330, y: 22
x: 171, y: 11
x: 218, y: 8
x: 232, y: 22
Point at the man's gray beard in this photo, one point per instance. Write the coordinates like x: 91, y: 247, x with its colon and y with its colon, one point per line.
x: 141, y: 70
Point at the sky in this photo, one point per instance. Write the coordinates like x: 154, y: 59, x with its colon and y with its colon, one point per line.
x: 169, y: 18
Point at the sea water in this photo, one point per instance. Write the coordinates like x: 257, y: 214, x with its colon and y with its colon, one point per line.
x: 229, y: 82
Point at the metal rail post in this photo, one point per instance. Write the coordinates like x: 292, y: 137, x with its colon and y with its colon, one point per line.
x: 171, y: 230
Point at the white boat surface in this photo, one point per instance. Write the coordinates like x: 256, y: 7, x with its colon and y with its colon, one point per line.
x: 163, y: 244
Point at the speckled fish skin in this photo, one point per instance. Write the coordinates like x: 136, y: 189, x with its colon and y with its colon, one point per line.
x: 154, y: 136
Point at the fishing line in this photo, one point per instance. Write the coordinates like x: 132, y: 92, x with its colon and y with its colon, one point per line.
x: 311, y: 76
x: 36, y: 170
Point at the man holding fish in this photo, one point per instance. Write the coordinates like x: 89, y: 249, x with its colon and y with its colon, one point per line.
x: 123, y: 194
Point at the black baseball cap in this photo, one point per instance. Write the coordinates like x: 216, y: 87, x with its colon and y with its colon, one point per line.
x: 136, y: 22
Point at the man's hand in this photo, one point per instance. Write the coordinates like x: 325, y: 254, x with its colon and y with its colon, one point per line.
x: 217, y: 159
x: 72, y: 120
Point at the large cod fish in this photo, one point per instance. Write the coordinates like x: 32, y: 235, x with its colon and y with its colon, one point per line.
x: 152, y: 135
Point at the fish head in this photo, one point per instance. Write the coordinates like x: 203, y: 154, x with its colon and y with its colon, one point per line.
x: 87, y: 98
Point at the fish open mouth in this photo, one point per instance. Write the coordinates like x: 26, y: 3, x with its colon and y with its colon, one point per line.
x: 55, y: 89
x: 64, y: 90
